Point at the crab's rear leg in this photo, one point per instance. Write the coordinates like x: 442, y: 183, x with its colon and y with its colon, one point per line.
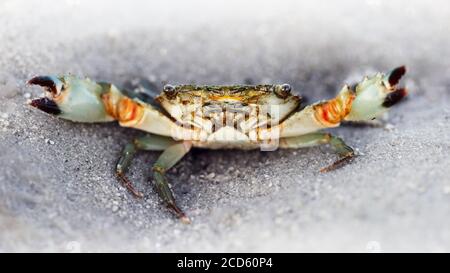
x: 149, y: 142
x: 313, y: 139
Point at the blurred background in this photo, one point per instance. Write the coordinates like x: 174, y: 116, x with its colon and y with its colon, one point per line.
x: 57, y: 188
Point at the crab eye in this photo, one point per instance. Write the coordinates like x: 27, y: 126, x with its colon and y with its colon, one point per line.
x: 286, y: 88
x: 283, y: 91
x: 169, y: 90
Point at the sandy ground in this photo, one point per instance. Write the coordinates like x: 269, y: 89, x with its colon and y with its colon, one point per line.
x: 57, y: 188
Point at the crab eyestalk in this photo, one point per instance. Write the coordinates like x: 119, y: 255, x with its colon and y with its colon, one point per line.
x: 71, y: 98
x: 375, y: 95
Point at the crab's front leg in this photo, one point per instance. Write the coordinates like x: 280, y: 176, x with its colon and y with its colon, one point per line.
x: 313, y: 139
x: 149, y: 142
x: 144, y: 117
x: 173, y: 151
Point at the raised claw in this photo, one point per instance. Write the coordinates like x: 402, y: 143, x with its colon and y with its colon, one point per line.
x: 50, y: 83
x: 46, y: 105
x: 394, y: 97
x: 396, y: 74
x: 374, y: 95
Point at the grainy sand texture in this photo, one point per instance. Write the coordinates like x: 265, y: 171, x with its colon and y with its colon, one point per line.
x: 57, y: 186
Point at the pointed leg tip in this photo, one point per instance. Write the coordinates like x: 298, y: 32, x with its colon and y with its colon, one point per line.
x: 179, y: 213
x: 135, y: 192
x: 138, y: 194
x: 185, y: 220
x: 327, y: 169
x: 339, y: 163
x: 127, y: 184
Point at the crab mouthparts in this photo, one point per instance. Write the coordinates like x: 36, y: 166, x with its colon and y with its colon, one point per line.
x: 46, y: 105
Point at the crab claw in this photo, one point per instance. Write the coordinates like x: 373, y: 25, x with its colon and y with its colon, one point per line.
x: 393, y: 79
x: 375, y: 95
x: 394, y: 97
x: 47, y: 105
x: 50, y: 83
x: 72, y: 98
x: 395, y: 75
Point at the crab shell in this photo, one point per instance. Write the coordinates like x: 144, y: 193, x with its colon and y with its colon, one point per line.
x: 227, y: 116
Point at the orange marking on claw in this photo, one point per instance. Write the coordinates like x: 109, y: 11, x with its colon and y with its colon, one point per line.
x: 123, y: 110
x: 332, y: 112
x: 109, y: 105
x: 127, y: 110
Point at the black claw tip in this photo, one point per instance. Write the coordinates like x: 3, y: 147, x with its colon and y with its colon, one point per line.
x: 394, y: 97
x: 396, y: 75
x: 46, y: 82
x: 46, y: 105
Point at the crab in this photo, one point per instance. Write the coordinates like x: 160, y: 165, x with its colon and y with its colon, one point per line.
x: 181, y: 117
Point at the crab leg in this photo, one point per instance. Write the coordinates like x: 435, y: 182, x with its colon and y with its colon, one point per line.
x: 321, y: 115
x: 343, y: 150
x: 365, y: 123
x: 149, y: 143
x: 166, y: 160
